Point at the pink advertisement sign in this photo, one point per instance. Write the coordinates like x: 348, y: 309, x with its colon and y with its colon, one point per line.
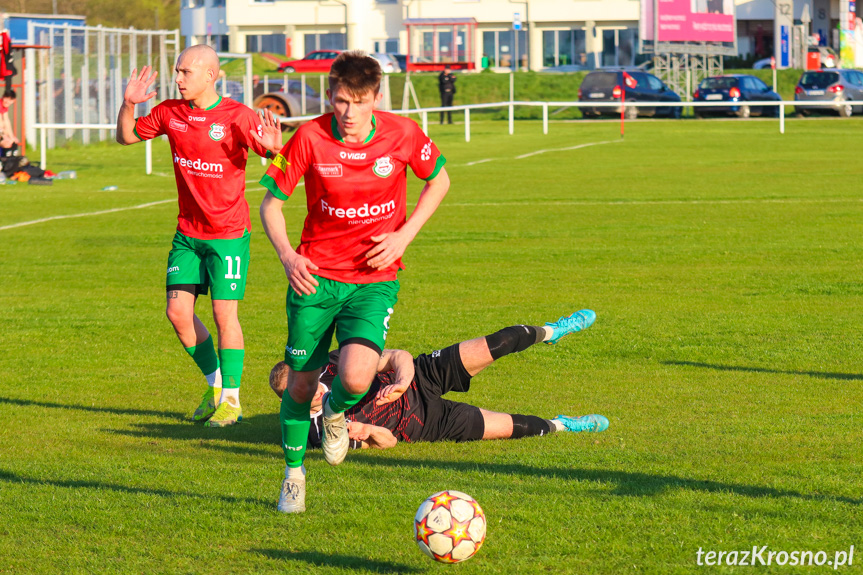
x: 688, y: 20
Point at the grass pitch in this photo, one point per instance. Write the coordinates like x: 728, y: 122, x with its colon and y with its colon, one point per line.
x: 722, y: 259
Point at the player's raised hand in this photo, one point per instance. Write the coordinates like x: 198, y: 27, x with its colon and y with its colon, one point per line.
x: 298, y: 270
x: 136, y: 89
x: 270, y: 135
x: 390, y: 247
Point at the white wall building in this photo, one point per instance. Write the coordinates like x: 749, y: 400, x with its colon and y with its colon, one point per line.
x: 553, y: 32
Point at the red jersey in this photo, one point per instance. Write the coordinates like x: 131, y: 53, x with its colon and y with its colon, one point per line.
x: 353, y: 191
x: 209, y: 148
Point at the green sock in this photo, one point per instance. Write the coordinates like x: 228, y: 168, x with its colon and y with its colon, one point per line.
x: 296, y: 421
x: 232, y: 367
x: 340, y: 399
x: 205, y: 356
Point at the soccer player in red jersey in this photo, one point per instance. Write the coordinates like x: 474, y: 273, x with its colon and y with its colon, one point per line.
x: 210, y: 137
x: 343, y: 273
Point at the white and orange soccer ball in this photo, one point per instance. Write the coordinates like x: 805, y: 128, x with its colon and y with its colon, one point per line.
x: 449, y: 526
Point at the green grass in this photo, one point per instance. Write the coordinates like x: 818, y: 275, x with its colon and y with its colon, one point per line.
x: 722, y: 259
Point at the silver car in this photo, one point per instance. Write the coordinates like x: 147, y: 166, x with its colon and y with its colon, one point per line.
x: 388, y: 63
x: 835, y: 85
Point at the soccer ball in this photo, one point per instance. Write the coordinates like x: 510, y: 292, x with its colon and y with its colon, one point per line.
x: 449, y: 526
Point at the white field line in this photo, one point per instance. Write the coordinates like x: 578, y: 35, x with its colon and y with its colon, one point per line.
x: 657, y: 202
x: 579, y: 146
x: 494, y: 204
x: 480, y: 162
x: 536, y: 153
x: 99, y: 213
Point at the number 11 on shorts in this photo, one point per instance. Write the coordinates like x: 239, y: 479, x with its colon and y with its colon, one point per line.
x: 231, y: 275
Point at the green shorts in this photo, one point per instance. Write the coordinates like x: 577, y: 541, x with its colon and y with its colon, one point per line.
x: 359, y: 313
x: 220, y: 265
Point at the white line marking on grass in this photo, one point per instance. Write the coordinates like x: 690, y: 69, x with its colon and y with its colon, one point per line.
x: 523, y: 156
x: 99, y: 213
x: 480, y: 162
x: 536, y: 153
x: 658, y: 202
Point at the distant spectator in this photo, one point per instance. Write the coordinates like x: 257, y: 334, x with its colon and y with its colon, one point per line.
x: 7, y: 64
x: 7, y: 134
x: 446, y: 85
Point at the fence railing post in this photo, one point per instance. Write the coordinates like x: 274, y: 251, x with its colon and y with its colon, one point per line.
x: 467, y: 124
x: 781, y: 118
x: 545, y: 118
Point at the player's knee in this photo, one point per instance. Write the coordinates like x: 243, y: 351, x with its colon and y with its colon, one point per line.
x: 178, y: 316
x: 356, y: 382
x: 301, y: 385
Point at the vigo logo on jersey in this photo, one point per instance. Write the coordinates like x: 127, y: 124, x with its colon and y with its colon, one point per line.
x: 199, y: 167
x: 364, y: 214
x: 197, y: 118
x: 383, y: 167
x: 217, y: 132
x: 352, y: 155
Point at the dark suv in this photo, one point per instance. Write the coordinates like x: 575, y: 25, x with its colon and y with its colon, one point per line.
x: 606, y: 86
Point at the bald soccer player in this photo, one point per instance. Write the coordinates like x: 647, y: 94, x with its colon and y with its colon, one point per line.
x: 210, y: 137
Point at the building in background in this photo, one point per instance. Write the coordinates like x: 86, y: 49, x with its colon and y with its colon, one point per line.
x: 205, y: 22
x: 508, y: 34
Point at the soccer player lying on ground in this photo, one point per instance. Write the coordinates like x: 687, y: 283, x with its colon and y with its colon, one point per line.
x: 404, y: 401
x: 210, y: 137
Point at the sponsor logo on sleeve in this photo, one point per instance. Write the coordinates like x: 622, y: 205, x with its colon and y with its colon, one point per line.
x: 383, y: 167
x: 178, y: 125
x: 329, y: 170
x: 425, y: 154
x: 281, y: 162
x: 217, y: 132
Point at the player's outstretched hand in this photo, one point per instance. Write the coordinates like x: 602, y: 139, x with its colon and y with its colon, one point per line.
x: 298, y: 269
x: 403, y: 375
x: 390, y: 247
x: 358, y: 431
x: 270, y: 136
x: 136, y: 89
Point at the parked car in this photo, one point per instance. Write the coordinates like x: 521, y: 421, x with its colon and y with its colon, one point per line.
x: 388, y: 63
x: 317, y: 61
x: 838, y: 86
x: 736, y: 89
x: 608, y: 86
x: 289, y: 103
x: 829, y: 57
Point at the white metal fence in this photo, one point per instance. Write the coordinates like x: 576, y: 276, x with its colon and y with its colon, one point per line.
x: 45, y: 129
x: 79, y: 74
